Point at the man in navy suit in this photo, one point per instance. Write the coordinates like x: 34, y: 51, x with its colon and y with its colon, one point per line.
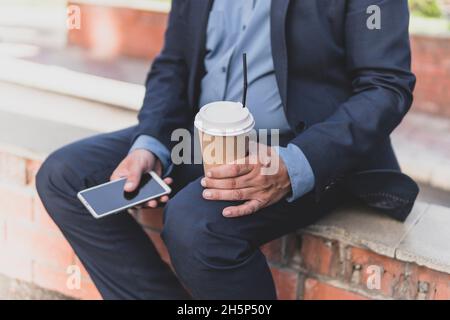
x: 331, y: 77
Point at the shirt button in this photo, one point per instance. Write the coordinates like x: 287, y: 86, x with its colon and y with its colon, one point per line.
x: 224, y: 69
x: 244, y: 27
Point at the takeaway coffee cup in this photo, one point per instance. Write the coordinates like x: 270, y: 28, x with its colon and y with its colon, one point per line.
x: 224, y: 129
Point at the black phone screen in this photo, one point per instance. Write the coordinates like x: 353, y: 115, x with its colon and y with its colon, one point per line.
x: 110, y: 198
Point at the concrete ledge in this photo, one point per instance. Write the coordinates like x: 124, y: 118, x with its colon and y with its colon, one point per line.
x: 12, y: 289
x: 35, y: 122
x: 430, y: 27
x: 423, y: 239
x: 68, y: 82
x: 16, y: 131
x: 428, y: 242
x: 367, y: 228
x: 422, y: 145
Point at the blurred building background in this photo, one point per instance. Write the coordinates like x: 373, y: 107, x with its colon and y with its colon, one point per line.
x: 72, y: 69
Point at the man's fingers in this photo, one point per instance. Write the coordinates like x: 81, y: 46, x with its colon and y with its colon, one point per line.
x: 228, y: 195
x: 133, y: 180
x: 246, y: 209
x: 164, y: 199
x: 229, y: 171
x: 118, y: 175
x: 131, y: 184
x: 227, y: 184
x: 168, y: 180
x: 152, y: 204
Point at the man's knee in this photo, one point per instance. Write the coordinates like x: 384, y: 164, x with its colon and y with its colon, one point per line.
x: 180, y: 229
x: 56, y: 179
x: 197, y: 234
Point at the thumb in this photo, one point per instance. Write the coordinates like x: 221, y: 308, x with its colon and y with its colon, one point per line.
x: 133, y: 180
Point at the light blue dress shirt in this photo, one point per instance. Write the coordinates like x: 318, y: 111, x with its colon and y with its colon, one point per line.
x: 235, y: 27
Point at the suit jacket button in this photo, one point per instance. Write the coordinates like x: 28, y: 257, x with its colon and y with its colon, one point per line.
x: 330, y: 186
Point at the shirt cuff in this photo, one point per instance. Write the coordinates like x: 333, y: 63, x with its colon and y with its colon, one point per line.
x: 299, y: 170
x: 157, y: 148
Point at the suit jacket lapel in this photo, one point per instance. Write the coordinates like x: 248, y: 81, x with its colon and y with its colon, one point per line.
x: 203, y: 7
x: 279, y: 48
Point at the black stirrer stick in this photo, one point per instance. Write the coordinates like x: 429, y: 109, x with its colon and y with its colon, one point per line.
x: 244, y: 96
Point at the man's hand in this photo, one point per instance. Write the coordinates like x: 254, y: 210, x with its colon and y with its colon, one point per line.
x: 134, y: 166
x: 252, y: 182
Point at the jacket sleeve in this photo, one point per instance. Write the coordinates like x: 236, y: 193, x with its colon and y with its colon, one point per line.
x: 165, y: 107
x: 378, y: 62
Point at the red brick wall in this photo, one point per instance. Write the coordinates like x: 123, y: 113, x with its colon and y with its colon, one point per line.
x: 109, y: 31
x: 431, y: 63
x: 340, y: 271
x: 304, y: 266
x: 113, y: 31
x: 31, y: 247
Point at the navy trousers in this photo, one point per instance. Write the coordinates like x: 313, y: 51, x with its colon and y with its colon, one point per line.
x: 214, y: 257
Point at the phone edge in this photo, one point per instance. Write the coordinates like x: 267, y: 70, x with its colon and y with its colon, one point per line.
x: 153, y: 174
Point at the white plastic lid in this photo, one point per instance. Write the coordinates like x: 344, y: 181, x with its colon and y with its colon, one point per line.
x: 224, y: 118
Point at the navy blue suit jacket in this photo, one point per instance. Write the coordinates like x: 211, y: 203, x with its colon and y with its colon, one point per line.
x: 344, y: 88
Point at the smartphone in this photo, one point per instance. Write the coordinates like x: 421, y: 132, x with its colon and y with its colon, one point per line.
x: 110, y: 198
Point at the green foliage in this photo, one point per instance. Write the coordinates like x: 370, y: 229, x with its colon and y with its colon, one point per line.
x: 426, y: 8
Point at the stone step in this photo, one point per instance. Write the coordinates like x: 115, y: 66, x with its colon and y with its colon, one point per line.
x: 39, y: 121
